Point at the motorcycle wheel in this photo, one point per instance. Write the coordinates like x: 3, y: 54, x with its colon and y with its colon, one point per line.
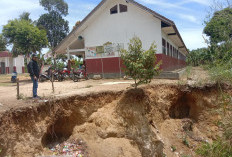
x: 13, y: 80
x: 76, y: 78
x: 59, y: 78
x: 42, y: 79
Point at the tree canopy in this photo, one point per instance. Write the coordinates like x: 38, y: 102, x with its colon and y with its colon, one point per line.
x: 59, y: 6
x: 3, y: 43
x: 25, y: 16
x: 56, y: 27
x: 219, y: 28
x: 24, y: 36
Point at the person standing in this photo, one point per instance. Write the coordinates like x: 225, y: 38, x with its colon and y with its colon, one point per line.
x: 34, y: 71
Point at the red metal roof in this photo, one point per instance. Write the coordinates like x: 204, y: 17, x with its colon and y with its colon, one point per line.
x: 5, y: 54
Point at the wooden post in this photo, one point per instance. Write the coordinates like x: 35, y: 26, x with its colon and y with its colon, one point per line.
x: 17, y: 80
x: 53, y: 90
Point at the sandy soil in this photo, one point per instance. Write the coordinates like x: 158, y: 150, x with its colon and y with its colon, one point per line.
x: 113, y: 121
x: 8, y: 90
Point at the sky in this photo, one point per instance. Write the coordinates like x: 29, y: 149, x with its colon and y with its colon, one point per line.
x: 188, y: 15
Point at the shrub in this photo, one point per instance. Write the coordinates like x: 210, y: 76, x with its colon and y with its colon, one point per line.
x: 140, y: 65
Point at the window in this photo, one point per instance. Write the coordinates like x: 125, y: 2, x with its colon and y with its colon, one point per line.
x: 164, y: 46
x: 168, y: 49
x: 114, y: 10
x: 123, y: 8
x: 171, y: 51
x: 174, y: 54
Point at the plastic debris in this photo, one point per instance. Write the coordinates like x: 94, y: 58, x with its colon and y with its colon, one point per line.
x: 74, y: 148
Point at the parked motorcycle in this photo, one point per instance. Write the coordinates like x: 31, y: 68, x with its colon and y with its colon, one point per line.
x: 14, y: 77
x: 57, y: 75
x: 80, y: 74
x: 47, y: 76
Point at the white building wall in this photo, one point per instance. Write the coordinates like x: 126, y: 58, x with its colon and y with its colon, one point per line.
x: 7, y: 61
x: 19, y: 63
x: 2, y: 60
x: 11, y: 66
x: 121, y: 27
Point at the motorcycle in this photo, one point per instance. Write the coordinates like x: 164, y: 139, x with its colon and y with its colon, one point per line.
x: 80, y: 74
x: 57, y: 75
x: 47, y: 76
x: 14, y: 77
x: 51, y: 75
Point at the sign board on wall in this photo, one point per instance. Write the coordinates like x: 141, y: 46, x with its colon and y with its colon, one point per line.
x: 111, y: 50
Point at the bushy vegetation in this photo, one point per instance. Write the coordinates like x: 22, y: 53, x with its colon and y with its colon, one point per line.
x: 217, y: 59
x: 140, y: 65
x: 222, y: 147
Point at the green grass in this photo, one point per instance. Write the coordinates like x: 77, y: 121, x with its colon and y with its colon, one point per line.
x: 222, y: 146
x: 173, y: 148
x: 188, y: 71
x: 185, y: 142
x: 218, y: 148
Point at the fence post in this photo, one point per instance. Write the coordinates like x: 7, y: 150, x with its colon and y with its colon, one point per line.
x: 53, y: 89
x: 17, y: 80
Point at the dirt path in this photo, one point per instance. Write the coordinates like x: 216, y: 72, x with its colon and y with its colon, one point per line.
x: 68, y: 88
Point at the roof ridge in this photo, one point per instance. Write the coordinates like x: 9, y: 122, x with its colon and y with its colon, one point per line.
x: 157, y: 15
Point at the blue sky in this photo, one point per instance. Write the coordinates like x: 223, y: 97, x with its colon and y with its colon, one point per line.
x: 188, y: 15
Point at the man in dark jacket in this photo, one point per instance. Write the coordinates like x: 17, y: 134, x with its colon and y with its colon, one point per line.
x: 34, y: 71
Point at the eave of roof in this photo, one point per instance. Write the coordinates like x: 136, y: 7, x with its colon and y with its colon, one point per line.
x: 157, y: 15
x: 82, y: 22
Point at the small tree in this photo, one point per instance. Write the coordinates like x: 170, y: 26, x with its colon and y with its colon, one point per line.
x: 140, y: 65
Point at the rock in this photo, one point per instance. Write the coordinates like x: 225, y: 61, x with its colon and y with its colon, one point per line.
x: 97, y: 77
x: 187, y: 124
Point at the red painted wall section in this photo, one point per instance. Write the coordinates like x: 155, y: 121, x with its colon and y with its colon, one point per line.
x: 14, y: 68
x: 7, y: 70
x: 170, y: 63
x: 94, y: 66
x: 111, y: 65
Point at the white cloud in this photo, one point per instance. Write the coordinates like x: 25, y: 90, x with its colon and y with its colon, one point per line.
x: 193, y: 38
x: 202, y: 2
x: 163, y: 4
x: 190, y: 18
x: 11, y: 9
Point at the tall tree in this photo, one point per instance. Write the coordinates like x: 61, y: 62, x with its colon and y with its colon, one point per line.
x: 24, y: 36
x: 53, y: 22
x: 25, y: 16
x: 219, y: 28
x: 3, y: 43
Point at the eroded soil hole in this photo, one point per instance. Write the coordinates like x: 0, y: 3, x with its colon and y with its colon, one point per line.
x: 117, y: 123
x: 181, y: 108
x: 61, y: 129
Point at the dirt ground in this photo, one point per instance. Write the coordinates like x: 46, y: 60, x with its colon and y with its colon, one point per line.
x: 165, y: 118
x: 8, y: 90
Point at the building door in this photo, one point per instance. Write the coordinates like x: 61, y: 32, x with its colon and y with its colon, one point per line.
x: 3, y: 68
